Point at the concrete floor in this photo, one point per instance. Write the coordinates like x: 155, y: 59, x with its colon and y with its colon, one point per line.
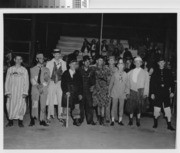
x: 89, y: 137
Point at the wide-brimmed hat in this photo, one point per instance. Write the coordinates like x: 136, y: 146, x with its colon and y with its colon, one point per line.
x: 138, y: 58
x: 56, y: 50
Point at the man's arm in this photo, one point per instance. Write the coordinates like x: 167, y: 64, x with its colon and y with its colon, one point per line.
x: 26, y: 83
x: 7, y: 83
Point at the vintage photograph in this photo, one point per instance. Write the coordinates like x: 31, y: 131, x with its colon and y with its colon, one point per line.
x: 90, y: 81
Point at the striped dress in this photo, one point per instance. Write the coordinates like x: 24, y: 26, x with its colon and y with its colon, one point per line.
x: 17, y: 84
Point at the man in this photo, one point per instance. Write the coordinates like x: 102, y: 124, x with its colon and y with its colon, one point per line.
x: 40, y: 78
x: 74, y: 55
x: 127, y: 55
x: 72, y: 87
x: 88, y: 77
x: 111, y: 47
x: 104, y: 48
x: 138, y: 84
x: 162, y: 91
x: 56, y: 66
x: 16, y: 90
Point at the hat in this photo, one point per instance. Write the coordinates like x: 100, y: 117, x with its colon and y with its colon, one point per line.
x: 99, y: 57
x: 71, y: 60
x: 85, y: 58
x: 161, y: 58
x: 57, y: 50
x: 138, y: 58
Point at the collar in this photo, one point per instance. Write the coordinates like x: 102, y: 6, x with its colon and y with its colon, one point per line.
x: 138, y: 69
x: 39, y: 65
x: 57, y: 61
x: 86, y: 69
x: 71, y: 71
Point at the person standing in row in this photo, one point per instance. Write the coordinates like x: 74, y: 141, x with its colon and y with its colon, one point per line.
x: 118, y: 89
x: 72, y: 87
x: 112, y: 68
x: 40, y: 78
x: 16, y: 90
x: 88, y: 77
x: 100, y: 92
x: 162, y: 91
x: 138, y: 84
x: 56, y: 66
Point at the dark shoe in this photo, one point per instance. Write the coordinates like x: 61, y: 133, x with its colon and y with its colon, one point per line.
x: 103, y: 121
x: 74, y: 122
x: 10, y: 123
x: 138, y: 122
x: 170, y: 127
x: 107, y: 121
x: 155, y: 123
x: 78, y: 122
x: 20, y: 123
x: 43, y: 123
x: 32, y: 123
x: 121, y: 123
x: 81, y: 120
x: 64, y: 123
x: 100, y: 120
x: 130, y: 122
x: 48, y: 121
x: 51, y: 116
x: 61, y: 120
x: 112, y: 124
x: 93, y: 123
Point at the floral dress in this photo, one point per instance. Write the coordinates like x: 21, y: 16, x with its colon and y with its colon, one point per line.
x: 100, y: 92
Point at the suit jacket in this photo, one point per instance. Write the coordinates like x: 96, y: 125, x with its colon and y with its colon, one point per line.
x: 73, y: 85
x: 156, y: 81
x: 44, y: 79
x: 50, y: 65
x: 118, y: 88
x: 88, y: 78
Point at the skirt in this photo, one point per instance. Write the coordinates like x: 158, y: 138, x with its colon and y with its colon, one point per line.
x: 136, y: 102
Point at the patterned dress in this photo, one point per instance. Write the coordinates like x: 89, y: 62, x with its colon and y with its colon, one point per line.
x: 100, y: 92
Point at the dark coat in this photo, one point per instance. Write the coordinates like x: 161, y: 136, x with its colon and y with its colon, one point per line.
x: 88, y: 78
x: 72, y: 85
x: 161, y: 82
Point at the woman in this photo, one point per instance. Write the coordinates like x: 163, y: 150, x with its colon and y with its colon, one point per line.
x: 118, y: 90
x: 100, y: 92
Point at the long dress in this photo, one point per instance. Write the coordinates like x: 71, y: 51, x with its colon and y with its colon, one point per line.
x: 17, y: 84
x: 100, y: 92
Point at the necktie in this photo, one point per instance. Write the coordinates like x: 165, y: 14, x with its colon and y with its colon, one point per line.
x: 39, y: 76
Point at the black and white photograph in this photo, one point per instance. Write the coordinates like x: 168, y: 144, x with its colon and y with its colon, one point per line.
x: 90, y: 80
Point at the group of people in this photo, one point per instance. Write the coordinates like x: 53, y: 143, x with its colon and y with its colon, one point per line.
x: 113, y: 47
x: 92, y: 90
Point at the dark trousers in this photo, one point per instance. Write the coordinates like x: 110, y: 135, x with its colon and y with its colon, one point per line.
x: 87, y: 99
